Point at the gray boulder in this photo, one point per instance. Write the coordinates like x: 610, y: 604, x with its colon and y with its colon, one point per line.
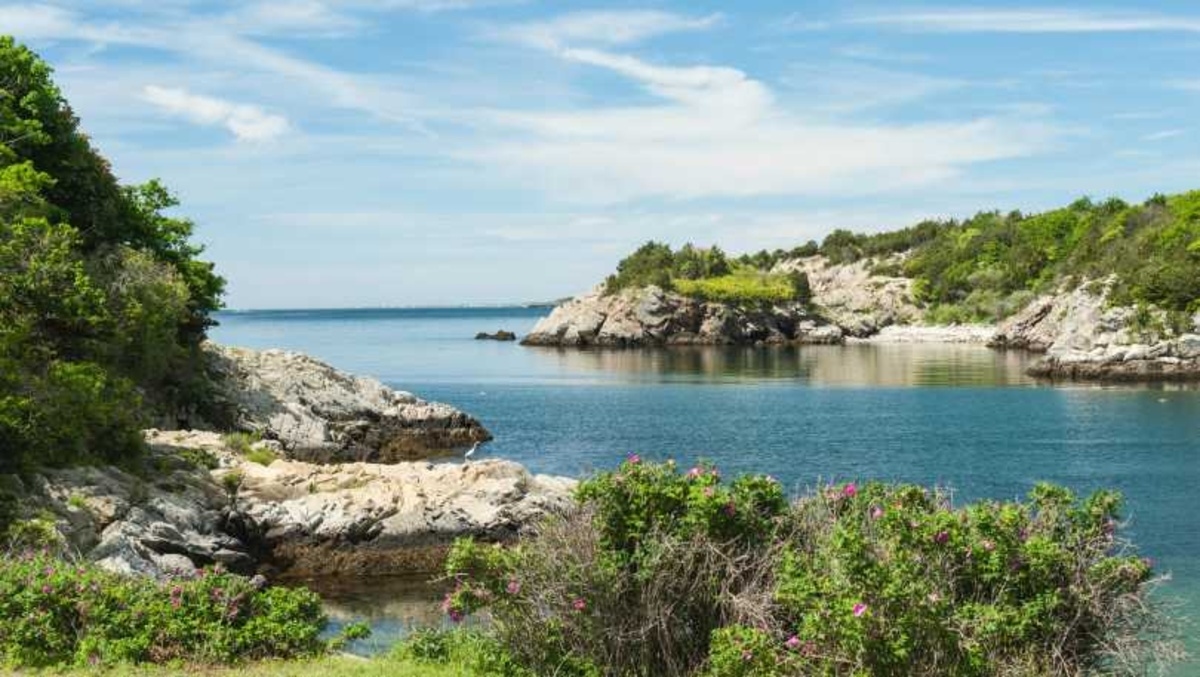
x: 320, y: 414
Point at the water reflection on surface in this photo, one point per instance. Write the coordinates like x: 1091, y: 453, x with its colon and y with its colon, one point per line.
x: 392, y: 605
x: 890, y: 365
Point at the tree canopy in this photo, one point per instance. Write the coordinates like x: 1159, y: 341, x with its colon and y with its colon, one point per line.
x: 103, y: 299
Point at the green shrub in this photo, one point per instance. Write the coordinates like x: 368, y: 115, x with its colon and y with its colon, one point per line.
x: 199, y: 458
x: 56, y: 612
x: 261, y: 455
x: 241, y: 442
x: 668, y: 573
x: 471, y: 651
x: 749, y: 287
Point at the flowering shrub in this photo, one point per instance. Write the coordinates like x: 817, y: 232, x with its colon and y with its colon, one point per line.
x: 662, y: 572
x: 55, y: 612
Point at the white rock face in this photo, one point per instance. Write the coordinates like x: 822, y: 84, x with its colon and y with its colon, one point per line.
x: 1086, y: 338
x: 652, y: 317
x: 853, y: 298
x: 850, y: 301
x: 291, y: 516
x: 321, y: 414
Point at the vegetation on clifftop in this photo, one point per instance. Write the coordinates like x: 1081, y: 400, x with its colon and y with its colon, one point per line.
x: 103, y: 299
x: 706, y: 274
x: 985, y: 267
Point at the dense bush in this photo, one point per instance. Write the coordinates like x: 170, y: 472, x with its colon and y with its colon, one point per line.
x: 103, y: 302
x: 708, y: 275
x: 748, y: 287
x: 56, y: 612
x: 654, y: 263
x: 660, y: 572
x: 972, y: 268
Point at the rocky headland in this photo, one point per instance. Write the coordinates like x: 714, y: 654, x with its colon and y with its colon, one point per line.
x: 1082, y: 333
x: 1086, y: 337
x: 323, y: 492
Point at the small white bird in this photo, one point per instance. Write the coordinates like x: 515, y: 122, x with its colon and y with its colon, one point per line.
x: 471, y: 451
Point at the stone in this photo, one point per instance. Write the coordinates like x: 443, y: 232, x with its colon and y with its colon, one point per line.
x: 320, y: 414
x: 500, y: 335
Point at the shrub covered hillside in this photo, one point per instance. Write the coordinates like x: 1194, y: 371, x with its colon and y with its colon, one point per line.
x: 661, y: 572
x: 103, y: 301
x: 990, y: 265
x: 707, y: 274
x: 974, y: 265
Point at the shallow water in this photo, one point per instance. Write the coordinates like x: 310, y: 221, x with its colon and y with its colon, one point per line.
x: 961, y: 416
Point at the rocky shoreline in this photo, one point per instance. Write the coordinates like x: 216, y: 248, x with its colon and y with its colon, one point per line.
x: 324, y: 492
x: 1081, y: 333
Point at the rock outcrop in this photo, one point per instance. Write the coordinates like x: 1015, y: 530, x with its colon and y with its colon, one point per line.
x: 854, y: 298
x: 848, y: 301
x: 1085, y: 337
x: 288, y: 517
x: 653, y: 317
x: 320, y: 414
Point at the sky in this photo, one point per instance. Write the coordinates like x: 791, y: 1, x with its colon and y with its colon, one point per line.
x: 366, y: 153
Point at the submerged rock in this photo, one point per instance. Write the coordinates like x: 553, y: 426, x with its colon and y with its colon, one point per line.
x: 500, y: 335
x: 320, y: 414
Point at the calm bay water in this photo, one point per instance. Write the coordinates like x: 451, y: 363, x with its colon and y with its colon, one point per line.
x: 959, y: 416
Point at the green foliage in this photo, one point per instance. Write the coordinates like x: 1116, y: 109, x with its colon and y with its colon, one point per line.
x: 199, y: 458
x: 241, y: 442
x: 103, y: 303
x: 56, y: 612
x: 746, y: 287
x: 708, y: 275
x: 993, y: 256
x: 668, y: 573
x: 261, y: 456
x: 468, y: 651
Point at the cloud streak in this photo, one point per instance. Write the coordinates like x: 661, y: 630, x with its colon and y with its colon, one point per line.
x: 973, y: 20
x: 246, y: 122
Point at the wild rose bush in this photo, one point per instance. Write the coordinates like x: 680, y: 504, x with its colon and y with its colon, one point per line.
x: 660, y: 571
x: 54, y: 612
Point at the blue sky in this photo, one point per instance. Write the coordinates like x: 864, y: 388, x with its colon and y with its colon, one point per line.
x: 412, y: 152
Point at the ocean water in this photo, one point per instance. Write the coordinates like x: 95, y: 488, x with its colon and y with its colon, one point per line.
x: 963, y: 417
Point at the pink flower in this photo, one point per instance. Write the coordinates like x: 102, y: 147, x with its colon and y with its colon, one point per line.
x: 579, y: 604
x: 849, y: 491
x: 941, y: 537
x: 633, y: 459
x: 859, y: 609
x: 792, y: 643
x: 46, y: 589
x: 694, y: 473
x: 456, y: 616
x: 876, y: 512
x: 514, y: 587
x: 730, y: 509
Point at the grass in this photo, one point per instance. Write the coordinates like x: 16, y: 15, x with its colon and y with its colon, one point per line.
x: 336, y: 666
x: 240, y: 442
x: 744, y: 286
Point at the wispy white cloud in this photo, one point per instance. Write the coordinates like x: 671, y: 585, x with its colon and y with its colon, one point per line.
x: 246, y: 122
x: 1029, y: 20
x: 602, y: 28
x: 719, y: 132
x: 1186, y: 85
x: 1164, y: 135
